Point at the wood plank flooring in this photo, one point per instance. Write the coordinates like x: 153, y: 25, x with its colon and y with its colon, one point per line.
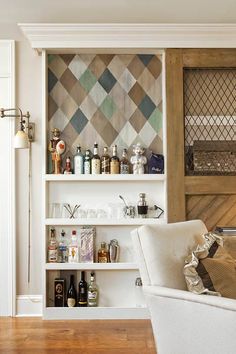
x: 33, y: 335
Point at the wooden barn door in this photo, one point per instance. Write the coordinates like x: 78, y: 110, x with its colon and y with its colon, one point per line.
x: 201, y: 117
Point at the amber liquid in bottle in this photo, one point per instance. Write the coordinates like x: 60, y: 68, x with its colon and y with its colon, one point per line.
x: 115, y: 162
x: 103, y: 256
x: 96, y: 162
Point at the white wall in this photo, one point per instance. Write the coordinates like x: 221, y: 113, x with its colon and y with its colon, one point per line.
x: 28, y: 97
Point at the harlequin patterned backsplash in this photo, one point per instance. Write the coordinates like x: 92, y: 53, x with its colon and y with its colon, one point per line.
x: 110, y: 99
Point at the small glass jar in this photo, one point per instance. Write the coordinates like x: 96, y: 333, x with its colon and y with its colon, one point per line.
x: 103, y: 255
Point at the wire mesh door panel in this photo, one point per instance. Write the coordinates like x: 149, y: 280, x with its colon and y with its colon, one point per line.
x: 210, y: 121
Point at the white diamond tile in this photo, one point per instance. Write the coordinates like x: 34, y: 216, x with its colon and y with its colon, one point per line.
x: 77, y: 66
x: 128, y: 134
x: 129, y: 107
x: 127, y: 80
x: 59, y: 93
x: 147, y: 134
x: 58, y: 120
x: 69, y: 106
x: 98, y: 93
x: 88, y: 107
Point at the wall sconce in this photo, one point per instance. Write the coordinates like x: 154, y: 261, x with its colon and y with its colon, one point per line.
x: 27, y: 129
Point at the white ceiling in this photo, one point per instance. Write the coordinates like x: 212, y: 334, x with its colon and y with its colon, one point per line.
x: 124, y: 11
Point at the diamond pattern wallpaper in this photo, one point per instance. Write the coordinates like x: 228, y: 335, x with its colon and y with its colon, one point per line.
x: 110, y: 99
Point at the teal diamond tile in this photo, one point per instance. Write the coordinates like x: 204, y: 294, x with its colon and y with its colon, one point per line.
x: 52, y: 80
x: 79, y: 121
x: 145, y: 58
x: 146, y: 106
x: 51, y: 57
x: 108, y: 107
x: 107, y: 80
x: 155, y: 120
x: 87, y: 80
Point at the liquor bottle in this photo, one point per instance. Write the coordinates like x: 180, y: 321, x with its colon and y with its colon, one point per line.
x: 96, y: 162
x: 92, y: 292
x: 68, y: 169
x: 78, y: 162
x: 62, y: 249
x: 52, y: 247
x: 83, y: 291
x: 105, y: 162
x: 87, y: 163
x: 103, y: 256
x: 71, y: 293
x: 114, y: 162
x: 73, y: 249
x: 124, y: 163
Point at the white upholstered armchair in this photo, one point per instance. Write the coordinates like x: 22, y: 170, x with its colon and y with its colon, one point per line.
x: 183, y: 323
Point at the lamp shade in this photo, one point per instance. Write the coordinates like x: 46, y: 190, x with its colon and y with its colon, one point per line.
x: 21, y: 140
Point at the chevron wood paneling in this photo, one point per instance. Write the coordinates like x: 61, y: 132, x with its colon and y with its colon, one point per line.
x: 213, y: 210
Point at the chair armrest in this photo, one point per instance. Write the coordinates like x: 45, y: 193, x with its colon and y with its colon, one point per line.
x: 215, y: 301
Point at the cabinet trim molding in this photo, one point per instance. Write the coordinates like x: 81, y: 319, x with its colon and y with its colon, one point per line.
x: 56, y: 36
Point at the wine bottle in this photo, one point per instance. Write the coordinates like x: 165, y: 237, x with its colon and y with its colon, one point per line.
x: 96, y: 162
x: 82, y: 293
x: 105, y: 162
x: 114, y: 163
x: 92, y: 292
x: 71, y: 293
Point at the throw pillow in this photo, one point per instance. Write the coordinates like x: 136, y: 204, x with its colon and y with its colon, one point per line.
x: 210, y: 269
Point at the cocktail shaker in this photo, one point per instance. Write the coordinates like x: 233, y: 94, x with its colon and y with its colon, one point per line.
x: 114, y: 251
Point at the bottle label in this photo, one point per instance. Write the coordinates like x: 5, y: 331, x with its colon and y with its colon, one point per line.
x: 96, y: 166
x: 71, y: 302
x: 73, y: 254
x: 87, y: 167
x: 78, y: 165
x: 115, y: 167
x: 52, y: 255
x: 124, y: 169
x: 105, y: 166
x: 92, y: 295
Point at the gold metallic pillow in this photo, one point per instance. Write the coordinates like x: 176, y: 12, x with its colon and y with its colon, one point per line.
x: 210, y: 269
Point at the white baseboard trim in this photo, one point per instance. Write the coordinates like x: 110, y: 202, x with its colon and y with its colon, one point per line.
x: 28, y: 305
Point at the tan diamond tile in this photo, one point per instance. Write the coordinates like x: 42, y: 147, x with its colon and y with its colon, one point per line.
x: 109, y: 134
x: 89, y: 136
x: 125, y: 58
x: 97, y: 66
x: 78, y: 93
x: 147, y: 133
x: 69, y: 135
x: 116, y: 67
x: 106, y: 58
x: 68, y: 80
x: 59, y: 94
x: 155, y: 91
x: 137, y: 120
x: 67, y: 58
x: 52, y: 107
x: 88, y: 107
x: 129, y: 107
x: 118, y: 120
x: 87, y: 58
x: 146, y: 80
x: 137, y: 93
x: 156, y: 145
x: 155, y: 66
x: 99, y: 121
x: 118, y: 95
x: 58, y: 66
x: 69, y: 107
x: 136, y: 67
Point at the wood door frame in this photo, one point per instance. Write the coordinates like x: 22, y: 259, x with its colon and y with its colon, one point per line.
x: 179, y: 185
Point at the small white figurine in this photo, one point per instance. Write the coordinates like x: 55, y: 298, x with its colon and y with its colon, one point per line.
x: 138, y: 160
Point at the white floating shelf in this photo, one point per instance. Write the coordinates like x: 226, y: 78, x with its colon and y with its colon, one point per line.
x: 94, y: 222
x: 91, y: 266
x: 104, y: 178
x: 101, y: 313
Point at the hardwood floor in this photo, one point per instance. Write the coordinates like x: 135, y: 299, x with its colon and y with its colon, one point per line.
x: 33, y: 335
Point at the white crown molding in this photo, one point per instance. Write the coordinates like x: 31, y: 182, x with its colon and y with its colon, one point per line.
x: 61, y: 36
